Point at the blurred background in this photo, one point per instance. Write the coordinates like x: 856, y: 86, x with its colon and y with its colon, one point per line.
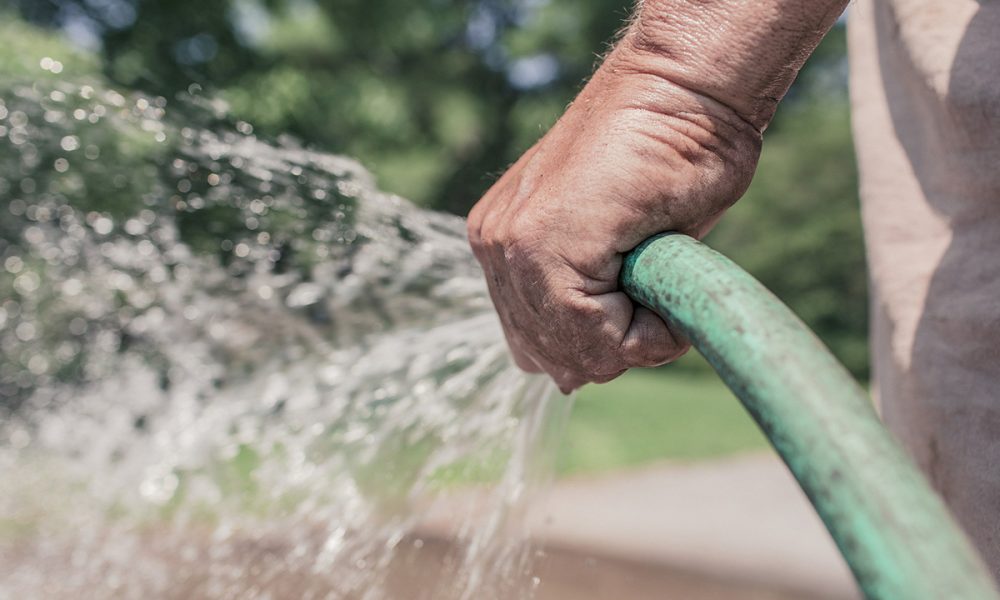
x: 436, y: 97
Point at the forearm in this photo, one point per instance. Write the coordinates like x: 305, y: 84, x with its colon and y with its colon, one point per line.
x: 743, y: 54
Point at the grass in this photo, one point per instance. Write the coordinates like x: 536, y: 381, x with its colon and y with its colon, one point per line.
x: 682, y: 412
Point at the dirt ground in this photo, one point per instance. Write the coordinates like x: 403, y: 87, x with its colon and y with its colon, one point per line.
x: 414, y: 574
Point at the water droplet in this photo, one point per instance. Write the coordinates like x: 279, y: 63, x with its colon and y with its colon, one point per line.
x: 25, y: 331
x: 18, y: 118
x: 13, y: 264
x: 27, y: 282
x: 34, y: 235
x: 115, y: 99
x: 78, y: 326
x: 103, y: 225
x: 135, y: 227
x: 72, y: 287
x: 38, y: 364
x: 146, y: 248
x: 20, y: 439
x: 70, y: 143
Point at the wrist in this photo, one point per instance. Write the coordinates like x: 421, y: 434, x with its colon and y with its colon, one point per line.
x: 740, y: 55
x: 687, y: 157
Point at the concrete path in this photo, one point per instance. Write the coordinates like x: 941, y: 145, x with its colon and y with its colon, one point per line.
x: 742, y: 519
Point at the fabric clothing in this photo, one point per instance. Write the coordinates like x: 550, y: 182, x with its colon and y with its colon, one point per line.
x: 925, y: 93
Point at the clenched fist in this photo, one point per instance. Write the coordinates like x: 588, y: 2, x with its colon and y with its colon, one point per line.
x: 636, y: 154
x: 666, y: 136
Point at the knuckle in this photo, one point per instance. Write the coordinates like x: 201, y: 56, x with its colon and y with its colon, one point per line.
x: 474, y: 231
x: 517, y: 247
x: 487, y: 239
x: 524, y: 223
x: 477, y: 232
x: 523, y: 235
x: 589, y: 314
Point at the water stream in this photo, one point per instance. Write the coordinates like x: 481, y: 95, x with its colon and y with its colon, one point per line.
x: 232, y: 368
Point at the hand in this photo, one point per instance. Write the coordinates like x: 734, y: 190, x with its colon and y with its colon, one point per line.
x: 635, y: 155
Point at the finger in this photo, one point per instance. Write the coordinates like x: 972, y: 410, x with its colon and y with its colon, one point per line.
x: 524, y: 361
x: 516, y: 346
x: 518, y: 351
x: 649, y: 342
x: 499, y: 198
x: 568, y: 382
x: 609, y: 316
x: 607, y: 378
x: 566, y: 379
x: 522, y: 358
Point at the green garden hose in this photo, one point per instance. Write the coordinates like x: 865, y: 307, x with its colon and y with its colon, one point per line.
x: 893, y: 530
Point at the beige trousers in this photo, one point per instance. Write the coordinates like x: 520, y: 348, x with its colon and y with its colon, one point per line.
x: 925, y: 91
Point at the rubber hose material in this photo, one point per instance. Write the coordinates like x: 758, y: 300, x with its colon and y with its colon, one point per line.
x: 893, y: 530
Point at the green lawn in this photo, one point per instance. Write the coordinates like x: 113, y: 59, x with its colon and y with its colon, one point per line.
x: 646, y: 415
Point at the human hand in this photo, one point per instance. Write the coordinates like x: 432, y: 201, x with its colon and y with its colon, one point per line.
x: 635, y: 155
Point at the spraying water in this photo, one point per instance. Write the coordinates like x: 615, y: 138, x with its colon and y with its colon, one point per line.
x: 234, y: 369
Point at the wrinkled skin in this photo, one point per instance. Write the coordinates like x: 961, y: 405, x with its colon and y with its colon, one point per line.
x: 636, y: 154
x: 665, y: 136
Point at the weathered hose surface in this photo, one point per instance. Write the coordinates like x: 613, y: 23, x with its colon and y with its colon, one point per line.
x: 895, y: 532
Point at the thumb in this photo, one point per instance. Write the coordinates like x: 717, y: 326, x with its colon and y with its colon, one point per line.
x: 649, y: 342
